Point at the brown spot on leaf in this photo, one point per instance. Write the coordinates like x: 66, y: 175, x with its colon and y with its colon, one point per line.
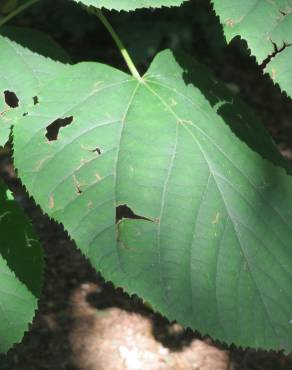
x: 40, y: 163
x: 230, y: 22
x: 98, y: 177
x: 52, y: 202
x: 97, y: 151
x: 77, y: 185
x: 216, y: 219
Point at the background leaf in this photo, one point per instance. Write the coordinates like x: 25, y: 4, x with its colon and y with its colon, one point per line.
x: 22, y: 73
x: 130, y: 4
x: 266, y: 27
x: 37, y: 42
x: 173, y: 191
x: 21, y: 265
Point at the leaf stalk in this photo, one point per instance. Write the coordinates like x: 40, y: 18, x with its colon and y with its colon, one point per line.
x: 119, y: 44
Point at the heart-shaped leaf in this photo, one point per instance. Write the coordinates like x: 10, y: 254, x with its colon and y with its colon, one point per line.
x: 173, y: 191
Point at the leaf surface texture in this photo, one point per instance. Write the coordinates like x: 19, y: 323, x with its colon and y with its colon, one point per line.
x: 266, y: 26
x: 22, y: 73
x: 205, y: 235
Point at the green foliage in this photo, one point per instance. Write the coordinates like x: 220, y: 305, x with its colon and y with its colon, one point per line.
x: 130, y: 4
x: 33, y: 71
x: 211, y: 209
x: 21, y: 264
x: 266, y: 26
x: 167, y: 183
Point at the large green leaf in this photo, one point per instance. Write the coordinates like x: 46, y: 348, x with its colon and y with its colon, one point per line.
x: 266, y: 26
x: 206, y: 230
x: 130, y: 4
x: 33, y: 71
x: 21, y: 265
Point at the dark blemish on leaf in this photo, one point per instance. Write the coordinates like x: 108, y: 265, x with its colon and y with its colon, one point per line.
x: 77, y: 185
x: 54, y: 128
x: 52, y: 202
x: 35, y: 100
x: 79, y: 191
x: 286, y: 12
x: 276, y: 51
x: 11, y: 99
x: 123, y: 211
x: 25, y: 114
x: 96, y: 150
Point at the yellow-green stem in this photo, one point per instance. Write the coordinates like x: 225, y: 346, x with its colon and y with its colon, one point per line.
x: 119, y: 44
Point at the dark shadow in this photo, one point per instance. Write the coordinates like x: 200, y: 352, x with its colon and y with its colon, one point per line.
x: 36, y: 41
x: 169, y: 334
x: 235, y: 113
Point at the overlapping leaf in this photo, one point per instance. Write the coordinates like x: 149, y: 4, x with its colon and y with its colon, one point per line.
x: 22, y: 73
x: 130, y: 4
x: 266, y: 26
x: 21, y: 265
x: 172, y: 190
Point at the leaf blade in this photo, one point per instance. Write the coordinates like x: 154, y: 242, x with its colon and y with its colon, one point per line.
x: 21, y: 265
x: 34, y: 71
x: 266, y: 27
x: 128, y: 5
x: 209, y: 243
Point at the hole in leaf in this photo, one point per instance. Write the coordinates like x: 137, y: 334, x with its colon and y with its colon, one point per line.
x: 54, y: 128
x: 35, y: 100
x: 11, y: 99
x: 123, y: 211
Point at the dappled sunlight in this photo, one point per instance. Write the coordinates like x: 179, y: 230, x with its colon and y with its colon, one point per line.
x: 113, y: 338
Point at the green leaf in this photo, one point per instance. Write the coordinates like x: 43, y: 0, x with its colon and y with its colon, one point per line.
x: 21, y: 265
x: 205, y: 197
x: 33, y: 71
x: 266, y: 26
x: 130, y: 4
